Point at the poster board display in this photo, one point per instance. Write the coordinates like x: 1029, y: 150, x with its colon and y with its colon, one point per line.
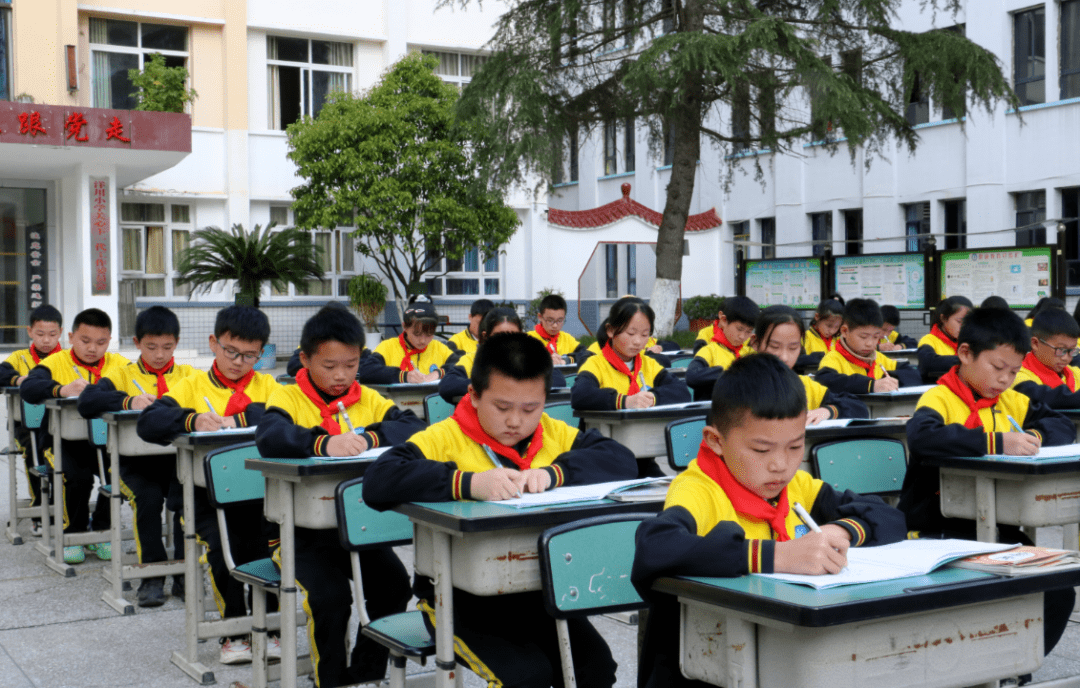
x: 788, y: 282
x: 1021, y: 276
x: 896, y: 279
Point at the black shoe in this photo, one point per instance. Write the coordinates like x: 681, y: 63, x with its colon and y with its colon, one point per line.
x: 178, y: 587
x: 152, y: 593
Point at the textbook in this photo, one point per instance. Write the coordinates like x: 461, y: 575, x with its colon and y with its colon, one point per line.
x: 888, y: 562
x: 574, y: 493
x: 1065, y: 452
x: 1020, y: 561
x: 649, y: 492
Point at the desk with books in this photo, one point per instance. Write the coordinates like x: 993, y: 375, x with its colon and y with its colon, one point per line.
x: 407, y: 395
x: 899, y: 403
x: 641, y: 430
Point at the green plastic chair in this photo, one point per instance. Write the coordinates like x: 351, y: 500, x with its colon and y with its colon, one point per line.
x: 570, y: 379
x: 437, y: 408
x: 97, y: 432
x: 562, y: 411
x: 360, y: 527
x: 33, y: 415
x: 585, y: 570
x: 867, y: 465
x: 683, y: 437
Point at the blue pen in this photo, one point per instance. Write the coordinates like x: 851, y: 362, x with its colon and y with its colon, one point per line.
x: 494, y: 461
x: 1015, y: 424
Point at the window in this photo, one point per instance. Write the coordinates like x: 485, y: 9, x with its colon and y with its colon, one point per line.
x: 574, y: 155
x: 821, y: 231
x: 24, y: 258
x: 337, y: 259
x: 851, y: 65
x: 302, y: 73
x: 279, y: 215
x: 1070, y: 211
x: 955, y: 224
x: 466, y: 276
x: 5, y: 50
x: 566, y: 160
x: 611, y: 270
x: 740, y: 233
x: 768, y: 237
x: 853, y: 232
x: 117, y: 46
x: 631, y: 269
x: 820, y: 127
x: 611, y: 153
x: 740, y: 116
x: 456, y: 68
x: 1070, y: 49
x: 1029, y: 60
x: 916, y: 222
x: 629, y: 147
x: 918, y: 103
x: 154, y: 235
x: 1030, y: 210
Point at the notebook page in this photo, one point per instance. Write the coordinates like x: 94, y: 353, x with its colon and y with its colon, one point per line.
x: 570, y: 494
x: 1065, y: 451
x: 834, y: 423
x: 222, y: 431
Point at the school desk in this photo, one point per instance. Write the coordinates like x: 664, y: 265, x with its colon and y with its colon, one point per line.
x: 17, y: 508
x: 567, y: 368
x: 911, y: 356
x: 949, y: 628
x: 486, y: 549
x: 640, y: 430
x: 885, y: 404
x: 407, y: 395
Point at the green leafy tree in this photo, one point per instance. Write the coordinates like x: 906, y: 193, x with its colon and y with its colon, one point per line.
x: 395, y: 164
x: 281, y: 258
x: 561, y: 68
x: 161, y: 88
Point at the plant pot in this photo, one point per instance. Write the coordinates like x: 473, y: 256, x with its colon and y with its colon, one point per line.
x: 698, y: 324
x: 372, y: 339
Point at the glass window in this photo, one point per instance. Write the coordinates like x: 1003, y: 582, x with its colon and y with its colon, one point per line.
x: 346, y: 252
x: 821, y: 231
x: 152, y: 247
x: 611, y: 153
x: 631, y: 269
x: 24, y: 264
x: 740, y: 234
x: 768, y: 237
x: 457, y: 68
x: 1070, y: 209
x: 574, y: 155
x: 669, y: 144
x: 853, y: 232
x: 916, y: 222
x: 629, y: 146
x: 117, y: 46
x: 956, y: 224
x: 611, y: 270
x: 1029, y: 61
x: 820, y: 127
x: 181, y: 213
x: 279, y: 215
x: 740, y: 116
x: 918, y: 106
x: 1030, y: 210
x: 296, y: 86
x: 463, y: 276
x: 1070, y: 49
x: 5, y: 51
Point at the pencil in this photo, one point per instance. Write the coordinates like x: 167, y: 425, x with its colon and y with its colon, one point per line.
x: 810, y: 523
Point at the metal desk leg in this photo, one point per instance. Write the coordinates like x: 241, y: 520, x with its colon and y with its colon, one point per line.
x: 445, y: 663
x: 56, y: 560
x: 985, y: 509
x: 287, y: 598
x: 114, y: 571
x: 13, y: 493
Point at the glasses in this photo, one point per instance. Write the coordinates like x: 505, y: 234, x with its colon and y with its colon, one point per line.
x: 232, y: 354
x: 553, y: 323
x: 1060, y: 352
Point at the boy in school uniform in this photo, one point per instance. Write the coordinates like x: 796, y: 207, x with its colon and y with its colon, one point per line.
x: 46, y: 326
x: 415, y: 355
x: 730, y: 334
x: 368, y: 365
x: 891, y: 339
x: 464, y: 342
x: 67, y: 374
x: 973, y: 412
x: 237, y: 397
x: 303, y: 420
x: 730, y: 512
x: 550, y: 321
x: 149, y: 482
x: 855, y: 365
x: 507, y: 640
x: 1047, y: 374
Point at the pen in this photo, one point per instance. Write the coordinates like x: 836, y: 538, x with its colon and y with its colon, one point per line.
x: 209, y: 405
x: 141, y: 390
x: 494, y: 461
x: 76, y: 369
x: 348, y: 421
x: 810, y: 523
x: 1015, y: 424
x: 26, y: 363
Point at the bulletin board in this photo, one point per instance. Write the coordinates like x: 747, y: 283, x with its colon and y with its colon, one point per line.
x: 895, y: 279
x: 1021, y: 276
x: 788, y: 282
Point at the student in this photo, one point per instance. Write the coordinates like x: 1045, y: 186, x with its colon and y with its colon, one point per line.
x: 303, y: 420
x: 891, y: 339
x: 508, y: 640
x: 1047, y: 375
x: 731, y: 331
x: 415, y: 355
x: 855, y: 365
x: 937, y: 350
x: 820, y: 337
x: 465, y: 341
x: 1044, y: 304
x: 67, y: 374
x: 994, y: 302
x: 46, y: 326
x: 779, y: 331
x: 653, y: 348
x: 970, y: 413
x: 729, y: 513
x: 237, y: 396
x: 550, y: 321
x: 741, y: 309
x: 149, y: 482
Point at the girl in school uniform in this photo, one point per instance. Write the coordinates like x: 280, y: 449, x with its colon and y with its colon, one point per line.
x: 937, y: 350
x: 779, y: 331
x: 415, y: 356
x: 1044, y: 304
x: 820, y: 338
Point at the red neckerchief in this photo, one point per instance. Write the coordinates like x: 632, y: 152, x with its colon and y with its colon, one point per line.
x: 303, y: 380
x: 953, y: 383
x: 828, y: 342
x: 162, y: 386
x: 406, y: 363
x: 946, y: 339
x: 91, y: 370
x: 620, y: 365
x: 1047, y: 375
x: 466, y: 418
x: 868, y: 366
x: 239, y: 400
x: 720, y: 338
x: 37, y: 357
x: 742, y: 499
x: 551, y: 341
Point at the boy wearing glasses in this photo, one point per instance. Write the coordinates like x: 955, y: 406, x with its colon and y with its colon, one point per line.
x: 549, y: 326
x: 237, y: 397
x: 1046, y: 375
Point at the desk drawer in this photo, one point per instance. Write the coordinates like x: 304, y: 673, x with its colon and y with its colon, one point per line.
x: 495, y: 563
x: 1037, y: 500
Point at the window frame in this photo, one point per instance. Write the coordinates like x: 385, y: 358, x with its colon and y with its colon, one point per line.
x: 1019, y: 81
x: 307, y: 72
x: 1037, y: 213
x: 825, y: 232
x: 138, y: 50
x: 1074, y: 45
x: 439, y: 273
x: 7, y: 45
x: 170, y: 275
x: 767, y: 232
x: 338, y: 279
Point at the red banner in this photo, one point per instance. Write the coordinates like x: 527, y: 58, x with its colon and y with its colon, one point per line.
x: 100, y: 232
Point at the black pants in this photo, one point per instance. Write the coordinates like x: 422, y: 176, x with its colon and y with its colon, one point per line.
x: 22, y: 441
x: 511, y: 641
x: 659, y: 661
x: 324, y: 575
x: 251, y: 537
x: 80, y: 468
x: 150, y: 483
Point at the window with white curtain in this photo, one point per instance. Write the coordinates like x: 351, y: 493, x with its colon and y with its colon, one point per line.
x: 154, y: 235
x: 457, y: 68
x: 302, y: 73
x: 117, y: 45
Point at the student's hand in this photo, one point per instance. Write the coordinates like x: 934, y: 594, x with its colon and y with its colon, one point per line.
x: 346, y: 444
x: 208, y: 422
x: 415, y: 377
x: 656, y: 349
x: 886, y: 384
x: 19, y: 380
x: 839, y: 538
x: 142, y: 401
x: 1020, y: 443
x: 557, y: 359
x: 229, y: 422
x: 73, y: 389
x: 812, y: 554
x: 640, y: 400
x: 536, y: 480
x: 433, y: 376
x: 816, y: 416
x: 496, y: 484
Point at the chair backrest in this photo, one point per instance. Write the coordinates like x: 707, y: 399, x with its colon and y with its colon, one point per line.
x: 867, y: 465
x: 682, y: 362
x: 437, y: 408
x: 562, y: 411
x: 32, y: 415
x: 227, y: 481
x: 683, y: 437
x: 98, y: 432
x: 585, y: 566
x: 570, y: 379
x: 361, y: 527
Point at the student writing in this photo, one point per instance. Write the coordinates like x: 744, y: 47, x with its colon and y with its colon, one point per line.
x: 414, y: 356
x: 465, y: 341
x: 937, y: 350
x: 820, y: 337
x: 891, y: 339
x: 730, y: 333
x: 855, y: 365
x: 550, y: 320
x: 1047, y: 374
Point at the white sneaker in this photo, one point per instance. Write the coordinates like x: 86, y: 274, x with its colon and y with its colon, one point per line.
x: 273, y: 647
x: 236, y: 651
x: 35, y: 527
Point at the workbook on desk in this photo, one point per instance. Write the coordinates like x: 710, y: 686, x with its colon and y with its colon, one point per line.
x: 1021, y: 561
x: 222, y: 431
x: 898, y: 560
x: 920, y: 389
x: 1064, y: 452
x: 574, y: 493
x: 369, y: 454
x: 704, y: 405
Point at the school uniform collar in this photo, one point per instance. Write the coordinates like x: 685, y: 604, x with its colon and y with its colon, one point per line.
x: 145, y: 371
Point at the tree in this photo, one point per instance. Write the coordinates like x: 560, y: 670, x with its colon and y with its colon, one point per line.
x: 279, y: 257
x: 561, y: 68
x: 395, y: 164
x: 161, y: 88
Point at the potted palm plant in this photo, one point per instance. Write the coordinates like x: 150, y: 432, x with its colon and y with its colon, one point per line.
x: 367, y: 295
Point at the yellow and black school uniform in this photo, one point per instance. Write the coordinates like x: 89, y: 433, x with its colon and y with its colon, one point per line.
x: 839, y: 404
x: 712, y: 525
x: 174, y: 414
x: 455, y: 384
x: 604, y: 382
x: 895, y: 337
x: 815, y: 347
x: 594, y: 349
x: 19, y: 364
x: 708, y: 334
x: 394, y: 358
x: 842, y: 371
x: 937, y: 354
x: 366, y: 365
x: 463, y: 341
x: 80, y: 458
x: 509, y: 639
x: 709, y: 363
x: 299, y: 421
x: 1040, y: 382
x: 564, y: 344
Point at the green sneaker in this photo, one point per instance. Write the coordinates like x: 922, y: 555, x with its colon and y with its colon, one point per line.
x: 74, y: 555
x: 102, y: 550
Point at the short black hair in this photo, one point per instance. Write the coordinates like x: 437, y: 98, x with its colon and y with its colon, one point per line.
x: 948, y: 308
x: 94, y: 317
x: 995, y: 302
x: 552, y: 302
x: 761, y: 385
x: 46, y: 313
x: 495, y: 317
x: 157, y: 320
x: 770, y: 317
x: 828, y: 308
x: 481, y: 307
x: 331, y: 324
x: 515, y: 355
x: 243, y: 322
x: 891, y: 315
x: 984, y: 329
x: 862, y: 313
x: 740, y: 309
x: 1054, y: 322
x: 620, y: 315
x: 1046, y: 303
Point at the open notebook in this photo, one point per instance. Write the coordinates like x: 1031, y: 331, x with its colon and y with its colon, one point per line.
x: 575, y: 493
x: 223, y: 431
x: 1065, y: 452
x: 903, y: 391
